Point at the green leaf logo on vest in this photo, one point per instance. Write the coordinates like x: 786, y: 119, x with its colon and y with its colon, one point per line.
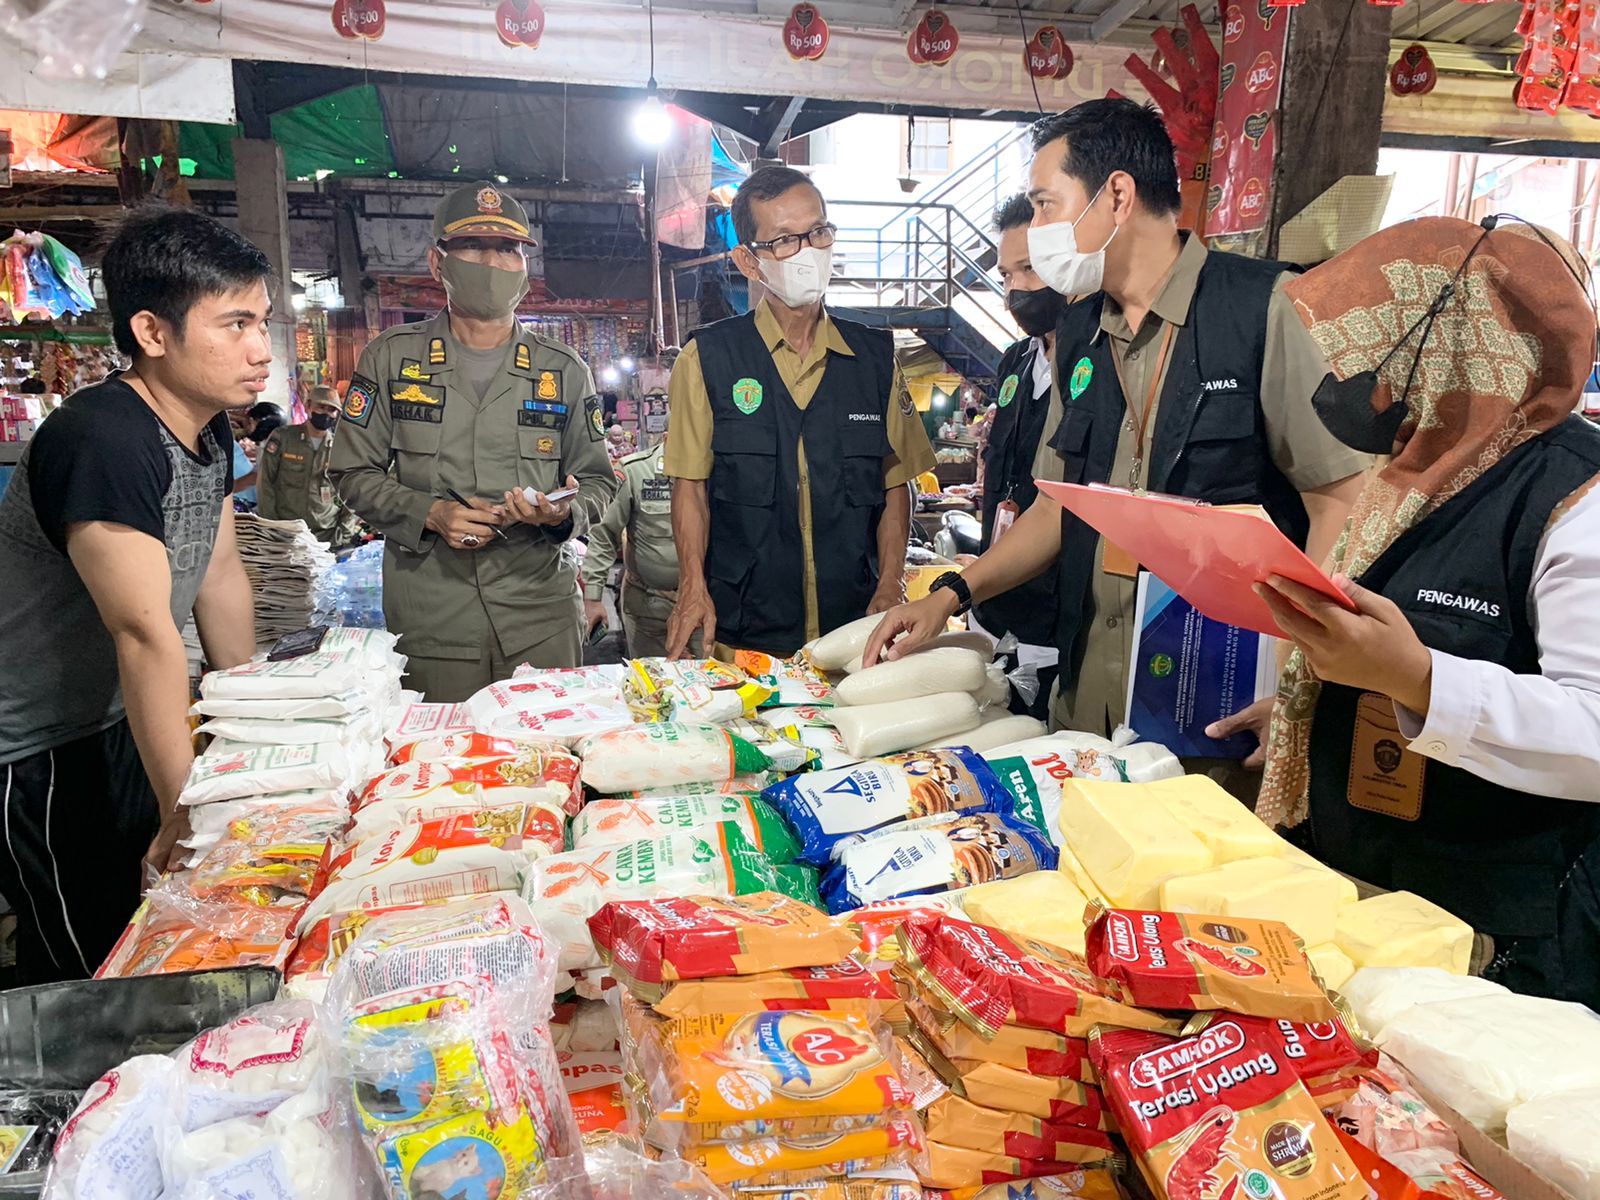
x: 747, y: 396
x: 1008, y: 391
x: 1081, y: 375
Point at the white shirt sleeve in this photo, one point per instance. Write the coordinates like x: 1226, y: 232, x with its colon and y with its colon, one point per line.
x: 1534, y: 733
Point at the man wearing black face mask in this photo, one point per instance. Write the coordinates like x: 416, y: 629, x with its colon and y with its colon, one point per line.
x: 471, y: 404
x: 293, y: 480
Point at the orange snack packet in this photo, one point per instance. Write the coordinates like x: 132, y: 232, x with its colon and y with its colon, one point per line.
x: 1050, y: 1098
x: 728, y: 1163
x: 167, y: 938
x: 958, y: 1122
x: 960, y: 1167
x: 843, y: 987
x: 990, y: 980
x: 648, y: 943
x: 1036, y: 1051
x: 1221, y: 1113
x: 739, y: 1066
x: 1182, y: 961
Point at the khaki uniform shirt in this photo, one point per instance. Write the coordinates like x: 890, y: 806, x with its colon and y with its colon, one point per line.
x: 292, y: 483
x: 1308, y: 455
x: 643, y: 508
x: 413, y: 429
x: 689, y: 448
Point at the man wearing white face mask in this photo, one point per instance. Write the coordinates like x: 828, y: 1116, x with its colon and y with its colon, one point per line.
x: 793, y: 439
x: 471, y: 404
x: 1181, y: 370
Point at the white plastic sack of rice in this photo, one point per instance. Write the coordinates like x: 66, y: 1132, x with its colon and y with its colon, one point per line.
x: 308, y: 677
x: 266, y: 731
x: 942, y: 669
x: 659, y: 756
x: 871, y: 730
x: 541, y: 691
x: 265, y: 771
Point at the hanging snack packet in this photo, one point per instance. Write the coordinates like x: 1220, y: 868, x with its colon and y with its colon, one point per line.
x: 935, y: 854
x: 662, y: 756
x: 1221, y: 1113
x: 1182, y: 961
x: 828, y: 806
x: 648, y: 943
x: 614, y: 819
x: 845, y: 986
x: 958, y: 1122
x: 989, y: 980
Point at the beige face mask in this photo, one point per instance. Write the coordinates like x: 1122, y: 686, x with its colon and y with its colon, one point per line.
x: 480, y: 291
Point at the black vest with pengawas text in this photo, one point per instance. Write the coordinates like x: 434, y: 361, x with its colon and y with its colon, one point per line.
x: 1523, y: 868
x: 755, y: 555
x: 1210, y: 438
x: 1029, y: 611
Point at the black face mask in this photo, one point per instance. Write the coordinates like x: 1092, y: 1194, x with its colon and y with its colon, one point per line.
x: 1345, y: 407
x: 322, y: 421
x: 1036, y: 311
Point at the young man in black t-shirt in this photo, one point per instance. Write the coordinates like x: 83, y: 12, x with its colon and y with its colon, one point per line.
x: 117, y: 524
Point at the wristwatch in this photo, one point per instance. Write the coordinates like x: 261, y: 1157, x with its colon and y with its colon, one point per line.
x: 958, y: 585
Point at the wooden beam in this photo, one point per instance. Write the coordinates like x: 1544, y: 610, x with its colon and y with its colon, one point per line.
x: 1331, y: 118
x: 1112, y: 19
x: 784, y: 121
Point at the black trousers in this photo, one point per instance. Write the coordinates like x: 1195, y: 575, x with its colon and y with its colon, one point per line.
x: 75, y: 824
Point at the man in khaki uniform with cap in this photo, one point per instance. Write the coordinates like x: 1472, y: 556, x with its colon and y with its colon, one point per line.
x: 471, y: 402
x: 642, y: 507
x: 293, y: 480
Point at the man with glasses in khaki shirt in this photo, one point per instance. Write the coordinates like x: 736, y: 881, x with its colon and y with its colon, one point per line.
x: 1182, y: 370
x: 786, y: 423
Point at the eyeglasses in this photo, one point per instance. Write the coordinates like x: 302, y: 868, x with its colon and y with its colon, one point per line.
x: 789, y: 244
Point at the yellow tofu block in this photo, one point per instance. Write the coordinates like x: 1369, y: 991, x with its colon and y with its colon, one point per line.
x: 1268, y: 889
x: 1227, y: 828
x: 1331, y: 964
x: 1400, y: 929
x: 1127, y: 840
x: 1347, y: 888
x: 1044, y: 905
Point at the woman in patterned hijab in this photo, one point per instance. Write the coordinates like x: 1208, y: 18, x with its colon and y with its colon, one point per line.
x: 1438, y: 736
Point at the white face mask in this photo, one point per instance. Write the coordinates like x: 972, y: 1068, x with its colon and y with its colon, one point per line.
x: 1057, y: 260
x: 801, y: 281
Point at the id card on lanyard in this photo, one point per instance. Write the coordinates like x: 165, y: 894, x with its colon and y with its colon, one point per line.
x: 1005, y: 515
x: 1385, y: 776
x: 1113, y: 559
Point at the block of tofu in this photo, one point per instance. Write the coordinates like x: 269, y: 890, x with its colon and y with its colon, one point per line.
x: 1332, y: 965
x: 1127, y: 840
x: 1400, y: 929
x: 1044, y: 905
x: 1227, y: 828
x: 1267, y: 889
x: 1347, y: 887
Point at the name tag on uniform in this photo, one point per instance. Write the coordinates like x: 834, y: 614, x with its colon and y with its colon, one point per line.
x: 410, y: 400
x: 1385, y: 777
x: 657, y: 489
x: 291, y: 456
x: 542, y: 414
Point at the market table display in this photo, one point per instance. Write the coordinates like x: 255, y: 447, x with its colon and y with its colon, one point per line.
x: 669, y: 927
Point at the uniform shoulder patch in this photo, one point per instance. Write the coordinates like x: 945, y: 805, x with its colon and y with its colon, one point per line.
x: 358, y: 401
x: 436, y: 354
x: 524, y: 358
x: 596, y: 422
x: 907, y: 405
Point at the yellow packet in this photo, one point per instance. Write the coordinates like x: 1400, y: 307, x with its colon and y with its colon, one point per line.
x: 468, y: 1155
x: 417, y: 1064
x: 728, y: 1163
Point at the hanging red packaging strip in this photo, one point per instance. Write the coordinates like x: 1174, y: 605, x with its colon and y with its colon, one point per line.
x: 364, y: 19
x: 934, y: 41
x: 805, y: 33
x: 1244, y: 139
x: 519, y: 23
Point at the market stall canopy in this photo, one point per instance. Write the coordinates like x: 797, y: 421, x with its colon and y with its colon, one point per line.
x: 172, y: 87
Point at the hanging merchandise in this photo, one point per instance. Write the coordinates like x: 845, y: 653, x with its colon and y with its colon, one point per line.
x: 805, y: 33
x: 1413, y: 73
x: 1245, y: 149
x: 1545, y: 66
x: 519, y: 23
x: 934, y: 41
x: 39, y: 277
x: 1047, y: 54
x: 360, y: 19
x: 1182, y: 80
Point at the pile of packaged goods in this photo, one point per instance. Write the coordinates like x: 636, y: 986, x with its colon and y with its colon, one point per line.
x: 265, y: 800
x: 759, y: 931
